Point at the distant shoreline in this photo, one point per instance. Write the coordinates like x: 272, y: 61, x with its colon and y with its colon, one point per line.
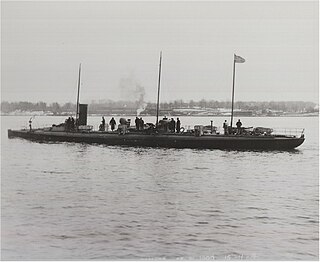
x: 226, y: 116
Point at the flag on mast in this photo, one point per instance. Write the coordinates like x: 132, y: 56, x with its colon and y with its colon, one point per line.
x: 238, y: 59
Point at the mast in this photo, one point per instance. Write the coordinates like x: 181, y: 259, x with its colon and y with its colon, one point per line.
x: 158, y: 89
x: 234, y: 77
x: 77, y: 112
x: 236, y: 59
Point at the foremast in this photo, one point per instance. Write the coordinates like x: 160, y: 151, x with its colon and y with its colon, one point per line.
x: 159, y: 79
x: 77, y: 110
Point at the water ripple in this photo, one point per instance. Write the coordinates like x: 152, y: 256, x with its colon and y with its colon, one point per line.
x: 68, y: 201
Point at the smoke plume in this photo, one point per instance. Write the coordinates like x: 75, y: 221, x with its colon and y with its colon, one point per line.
x: 132, y: 90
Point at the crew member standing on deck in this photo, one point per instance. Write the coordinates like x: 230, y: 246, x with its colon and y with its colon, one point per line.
x: 72, y: 123
x: 112, y: 123
x: 170, y: 125
x: 30, y: 124
x: 68, y: 124
x: 141, y: 123
x: 225, y: 127
x: 165, y: 124
x: 103, y: 124
x: 239, y: 124
x: 178, y: 125
x: 173, y: 125
x: 137, y: 122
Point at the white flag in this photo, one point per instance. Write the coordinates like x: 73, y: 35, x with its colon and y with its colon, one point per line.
x: 238, y: 59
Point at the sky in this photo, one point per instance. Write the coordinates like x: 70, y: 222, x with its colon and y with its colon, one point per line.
x: 118, y: 46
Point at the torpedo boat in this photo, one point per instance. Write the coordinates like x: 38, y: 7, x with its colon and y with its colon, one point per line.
x: 158, y: 135
x: 169, y: 140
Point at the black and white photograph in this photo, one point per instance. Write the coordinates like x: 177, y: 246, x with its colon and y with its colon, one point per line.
x: 160, y: 130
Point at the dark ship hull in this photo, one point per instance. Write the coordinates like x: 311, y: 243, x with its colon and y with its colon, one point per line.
x: 168, y: 140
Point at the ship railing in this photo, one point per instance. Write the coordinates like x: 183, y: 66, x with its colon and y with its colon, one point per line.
x: 292, y: 132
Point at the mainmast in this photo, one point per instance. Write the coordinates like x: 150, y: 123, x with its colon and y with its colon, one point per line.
x: 158, y: 89
x: 234, y: 77
x: 236, y: 59
x: 77, y: 112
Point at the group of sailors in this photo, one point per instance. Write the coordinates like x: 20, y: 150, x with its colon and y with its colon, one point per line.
x: 228, y: 129
x: 167, y: 125
x: 70, y: 124
x: 112, y: 123
x: 139, y: 123
x: 172, y: 125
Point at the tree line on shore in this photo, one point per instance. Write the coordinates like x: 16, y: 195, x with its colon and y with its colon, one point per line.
x: 100, y: 106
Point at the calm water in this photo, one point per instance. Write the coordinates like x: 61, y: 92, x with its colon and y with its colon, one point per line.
x: 68, y: 201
